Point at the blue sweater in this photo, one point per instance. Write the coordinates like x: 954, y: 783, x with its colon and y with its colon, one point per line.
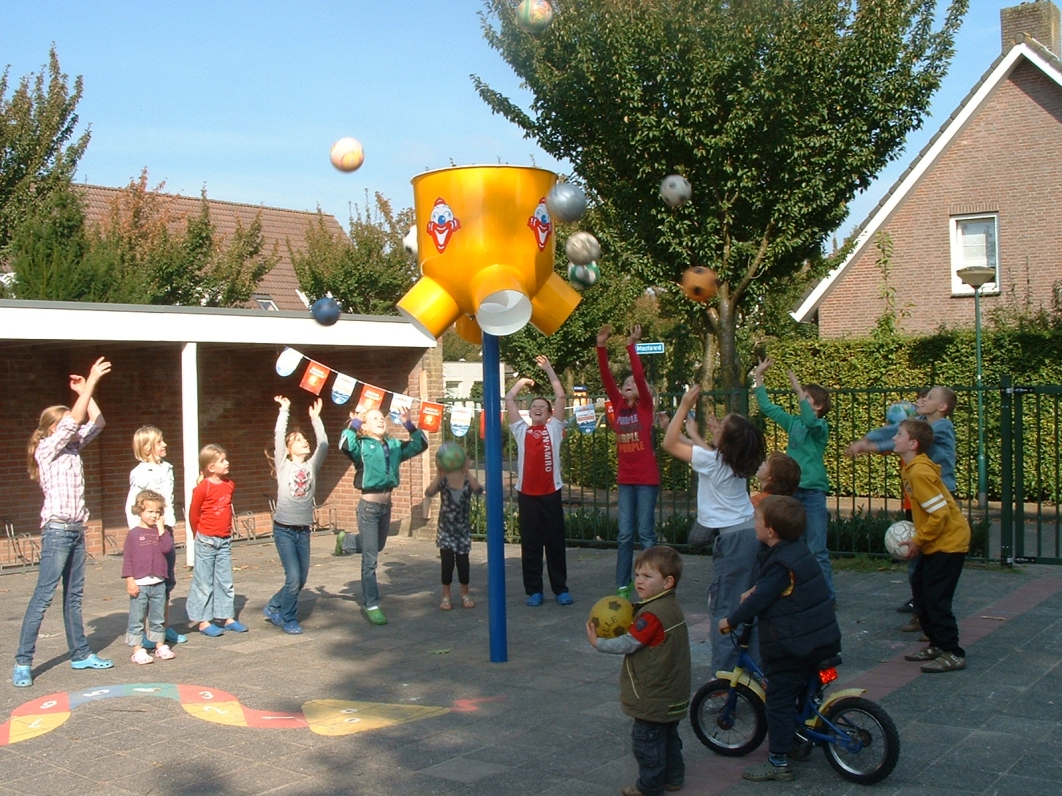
x: 941, y: 452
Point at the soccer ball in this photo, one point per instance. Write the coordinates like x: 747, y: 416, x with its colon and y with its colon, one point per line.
x: 611, y: 616
x: 675, y: 190
x: 899, y: 411
x: 409, y: 242
x: 325, y: 310
x: 583, y: 276
x: 699, y: 283
x: 582, y: 248
x: 534, y: 16
x: 897, y: 537
x: 347, y: 154
x: 566, y: 202
x: 450, y: 457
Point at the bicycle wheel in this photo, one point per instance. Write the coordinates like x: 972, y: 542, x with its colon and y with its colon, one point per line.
x: 729, y: 721
x: 869, y: 746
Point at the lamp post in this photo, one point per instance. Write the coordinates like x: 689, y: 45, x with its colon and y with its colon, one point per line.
x: 976, y: 276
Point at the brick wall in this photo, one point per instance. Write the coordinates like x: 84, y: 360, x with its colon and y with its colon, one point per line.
x: 1007, y: 160
x: 237, y: 411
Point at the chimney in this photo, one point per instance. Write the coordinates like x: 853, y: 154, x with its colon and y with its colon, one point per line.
x: 1038, y: 19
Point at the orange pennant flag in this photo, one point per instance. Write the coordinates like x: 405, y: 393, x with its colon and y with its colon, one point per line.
x: 430, y: 416
x: 313, y: 380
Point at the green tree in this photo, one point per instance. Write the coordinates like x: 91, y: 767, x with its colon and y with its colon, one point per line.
x: 37, y: 153
x: 776, y: 111
x: 367, y: 272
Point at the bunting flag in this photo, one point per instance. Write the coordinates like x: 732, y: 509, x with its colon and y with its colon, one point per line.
x: 288, y: 361
x: 398, y: 403
x: 313, y: 380
x: 460, y: 419
x: 586, y: 418
x: 343, y: 388
x: 371, y: 398
x: 430, y: 419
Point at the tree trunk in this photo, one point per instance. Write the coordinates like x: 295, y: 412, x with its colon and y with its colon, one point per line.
x: 726, y: 334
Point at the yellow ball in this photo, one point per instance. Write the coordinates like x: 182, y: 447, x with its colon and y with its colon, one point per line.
x: 612, y: 616
x: 347, y: 154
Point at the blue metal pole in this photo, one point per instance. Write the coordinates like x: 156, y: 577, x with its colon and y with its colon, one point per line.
x: 495, y: 500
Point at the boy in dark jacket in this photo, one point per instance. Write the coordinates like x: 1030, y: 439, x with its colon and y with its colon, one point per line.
x: 655, y: 681
x: 798, y: 628
x: 145, y: 569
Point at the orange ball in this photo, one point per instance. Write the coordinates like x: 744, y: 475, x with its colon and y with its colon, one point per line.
x: 699, y: 283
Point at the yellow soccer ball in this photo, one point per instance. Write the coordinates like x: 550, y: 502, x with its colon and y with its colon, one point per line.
x: 612, y: 616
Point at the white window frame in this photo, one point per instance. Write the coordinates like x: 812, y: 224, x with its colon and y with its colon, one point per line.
x: 958, y: 287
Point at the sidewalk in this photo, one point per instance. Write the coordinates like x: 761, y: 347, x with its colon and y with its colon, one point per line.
x: 233, y: 715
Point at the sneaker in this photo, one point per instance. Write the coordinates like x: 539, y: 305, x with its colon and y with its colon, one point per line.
x: 535, y: 600
x: 906, y: 608
x: 141, y: 658
x: 22, y: 676
x: 273, y: 616
x: 376, y: 616
x: 173, y: 637
x: 565, y: 598
x: 164, y: 653
x: 339, y: 551
x: 626, y: 591
x: 766, y: 771
x: 945, y: 662
x: 930, y: 653
x: 913, y: 626
x: 292, y: 628
x: 92, y: 662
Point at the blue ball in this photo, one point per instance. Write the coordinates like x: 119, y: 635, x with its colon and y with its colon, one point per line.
x: 325, y: 310
x: 899, y: 411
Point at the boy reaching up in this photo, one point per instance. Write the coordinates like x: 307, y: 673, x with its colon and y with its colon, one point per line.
x: 942, y: 537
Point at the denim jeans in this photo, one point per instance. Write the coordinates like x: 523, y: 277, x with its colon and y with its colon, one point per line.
x: 637, y: 503
x: 62, y: 558
x: 374, y: 523
x: 150, y: 603
x: 211, y: 594
x: 658, y: 750
x: 293, y: 547
x: 818, y: 520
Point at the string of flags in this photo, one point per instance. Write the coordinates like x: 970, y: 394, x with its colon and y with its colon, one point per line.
x: 429, y: 415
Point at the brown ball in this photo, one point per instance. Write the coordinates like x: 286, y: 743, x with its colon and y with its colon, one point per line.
x: 699, y: 283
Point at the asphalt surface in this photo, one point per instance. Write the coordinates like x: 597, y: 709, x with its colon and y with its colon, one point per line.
x: 416, y: 707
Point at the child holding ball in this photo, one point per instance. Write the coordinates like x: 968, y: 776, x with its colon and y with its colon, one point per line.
x: 454, y: 537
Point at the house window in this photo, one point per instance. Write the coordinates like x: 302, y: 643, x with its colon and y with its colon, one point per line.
x: 265, y: 303
x: 974, y: 242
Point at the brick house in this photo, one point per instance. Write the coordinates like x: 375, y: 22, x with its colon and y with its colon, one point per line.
x: 986, y: 190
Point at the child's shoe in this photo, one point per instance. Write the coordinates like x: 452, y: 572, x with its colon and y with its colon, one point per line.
x: 293, y: 628
x: 467, y: 602
x: 912, y: 626
x: 930, y: 653
x: 626, y: 591
x: 273, y: 616
x: 173, y: 637
x: 212, y: 630
x: 535, y: 600
x: 164, y: 653
x: 631, y: 790
x: 565, y: 598
x: 945, y: 662
x: 93, y: 661
x: 22, y: 677
x: 376, y: 616
x: 142, y: 657
x: 236, y: 626
x: 339, y: 551
x: 767, y: 771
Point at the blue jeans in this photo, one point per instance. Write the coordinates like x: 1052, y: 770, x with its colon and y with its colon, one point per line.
x: 150, y: 602
x: 293, y: 546
x: 211, y: 593
x: 374, y: 523
x: 658, y: 750
x: 637, y: 503
x: 818, y: 520
x: 62, y: 558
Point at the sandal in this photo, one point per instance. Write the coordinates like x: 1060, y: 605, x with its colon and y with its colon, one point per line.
x: 141, y: 657
x: 445, y: 605
x: 467, y: 602
x: 164, y: 653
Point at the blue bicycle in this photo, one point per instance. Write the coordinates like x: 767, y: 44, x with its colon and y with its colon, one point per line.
x: 857, y: 736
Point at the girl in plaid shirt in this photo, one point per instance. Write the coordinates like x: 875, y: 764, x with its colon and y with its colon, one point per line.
x: 55, y: 462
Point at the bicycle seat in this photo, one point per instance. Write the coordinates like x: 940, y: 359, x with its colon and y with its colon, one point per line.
x: 830, y: 663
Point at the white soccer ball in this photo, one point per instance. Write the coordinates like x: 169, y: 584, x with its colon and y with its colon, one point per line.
x: 675, y: 190
x: 409, y: 242
x: 583, y: 276
x: 897, y: 537
x: 582, y: 248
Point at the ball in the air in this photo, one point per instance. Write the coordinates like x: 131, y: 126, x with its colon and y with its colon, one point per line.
x: 582, y: 248
x: 899, y: 411
x: 534, y: 16
x: 409, y: 242
x: 699, y: 283
x: 612, y: 616
x: 566, y: 202
x: 325, y: 310
x: 347, y: 154
x: 450, y: 457
x: 897, y: 537
x: 675, y: 190
x: 583, y: 276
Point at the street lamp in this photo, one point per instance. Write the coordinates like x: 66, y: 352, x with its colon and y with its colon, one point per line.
x: 976, y: 276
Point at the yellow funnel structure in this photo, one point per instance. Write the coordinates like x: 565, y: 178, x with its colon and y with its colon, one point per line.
x: 486, y: 250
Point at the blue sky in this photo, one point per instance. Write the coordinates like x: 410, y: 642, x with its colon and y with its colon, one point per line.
x: 246, y: 98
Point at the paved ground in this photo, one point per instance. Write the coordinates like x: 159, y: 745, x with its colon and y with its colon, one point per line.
x: 547, y: 722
